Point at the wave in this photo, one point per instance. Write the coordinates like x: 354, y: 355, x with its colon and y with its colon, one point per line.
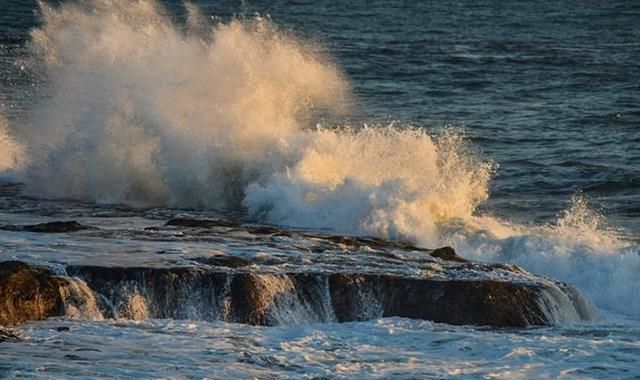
x: 142, y: 111
x: 579, y: 248
x: 387, y: 182
x: 139, y: 110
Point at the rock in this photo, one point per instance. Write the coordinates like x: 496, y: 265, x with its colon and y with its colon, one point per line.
x: 266, y: 230
x: 28, y: 293
x: 212, y: 223
x: 228, y: 261
x: 248, y: 300
x: 273, y: 298
x: 489, y: 303
x: 302, y: 279
x: 56, y: 227
x: 198, y: 223
x: 346, y: 241
x: 173, y: 292
x: 448, y: 254
x: 51, y: 227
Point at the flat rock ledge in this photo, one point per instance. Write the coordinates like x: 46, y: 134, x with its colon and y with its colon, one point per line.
x: 239, y: 291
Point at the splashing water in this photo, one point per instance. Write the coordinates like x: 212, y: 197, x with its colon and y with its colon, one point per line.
x: 12, y: 153
x: 139, y: 111
x: 142, y: 111
x: 388, y: 182
x: 579, y: 248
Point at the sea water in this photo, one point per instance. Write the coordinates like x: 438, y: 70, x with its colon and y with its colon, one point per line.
x: 508, y: 131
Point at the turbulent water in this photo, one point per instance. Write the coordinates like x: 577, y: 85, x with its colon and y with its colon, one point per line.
x: 508, y: 131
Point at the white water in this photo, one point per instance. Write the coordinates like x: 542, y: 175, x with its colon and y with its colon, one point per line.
x: 11, y: 152
x: 139, y: 110
x: 390, y: 348
x: 579, y: 249
x: 80, y: 301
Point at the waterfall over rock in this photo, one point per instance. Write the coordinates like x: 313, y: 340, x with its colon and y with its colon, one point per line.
x: 307, y: 278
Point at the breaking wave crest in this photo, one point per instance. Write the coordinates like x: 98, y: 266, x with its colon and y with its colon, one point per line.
x: 388, y: 182
x: 579, y: 248
x: 142, y: 111
x: 139, y: 110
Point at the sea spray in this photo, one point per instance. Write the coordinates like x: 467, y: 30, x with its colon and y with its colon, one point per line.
x: 12, y: 154
x: 139, y: 110
x: 579, y: 248
x: 396, y: 183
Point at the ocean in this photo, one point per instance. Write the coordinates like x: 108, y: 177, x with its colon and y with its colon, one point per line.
x: 507, y: 130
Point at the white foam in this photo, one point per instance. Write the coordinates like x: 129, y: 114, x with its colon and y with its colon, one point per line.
x: 80, y: 301
x: 579, y: 248
x: 140, y: 111
x: 387, y: 182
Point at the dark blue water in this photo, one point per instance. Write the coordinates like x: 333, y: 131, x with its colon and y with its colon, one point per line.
x: 550, y: 90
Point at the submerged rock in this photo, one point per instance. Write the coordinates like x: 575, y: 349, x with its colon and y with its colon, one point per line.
x: 198, y: 223
x: 28, y: 293
x: 223, y: 261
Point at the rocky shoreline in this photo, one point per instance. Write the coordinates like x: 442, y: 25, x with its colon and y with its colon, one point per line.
x: 440, y: 286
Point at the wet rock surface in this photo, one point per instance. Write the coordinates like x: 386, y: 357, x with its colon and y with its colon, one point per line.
x: 198, y: 223
x: 50, y: 227
x: 263, y: 298
x: 28, y: 293
x: 263, y: 275
x: 448, y: 254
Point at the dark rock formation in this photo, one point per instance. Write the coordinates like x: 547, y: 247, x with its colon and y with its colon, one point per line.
x: 198, y: 223
x: 212, y: 223
x: 448, y: 254
x: 288, y: 298
x: 142, y: 292
x: 28, y: 293
x: 349, y: 242
x: 51, y: 227
x: 328, y: 283
x: 457, y: 302
x: 223, y: 261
